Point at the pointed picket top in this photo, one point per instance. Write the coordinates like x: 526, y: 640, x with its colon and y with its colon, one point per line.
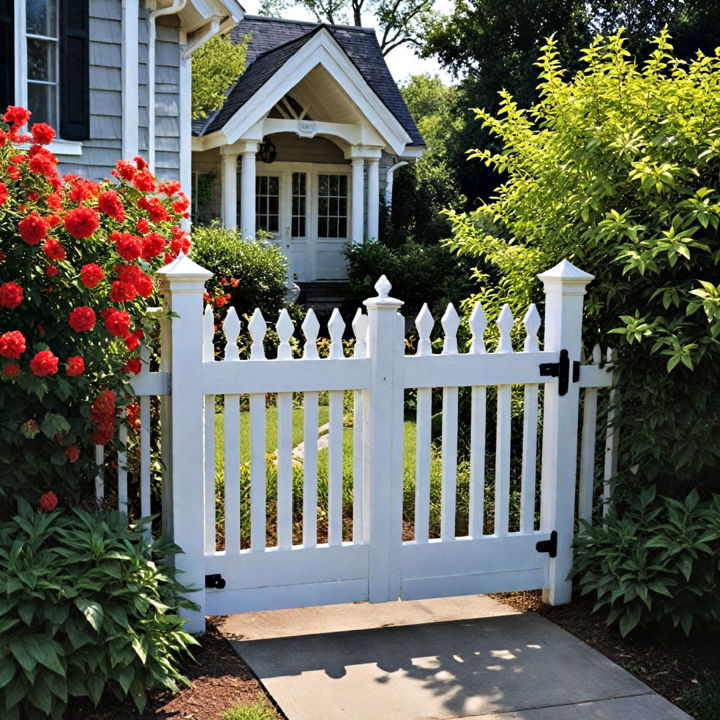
x: 336, y: 327
x: 596, y: 354
x: 359, y: 326
x: 182, y: 268
x: 478, y: 323
x: 383, y: 287
x: 565, y: 279
x: 450, y: 322
x: 505, y: 324
x: 258, y: 329
x: 231, y: 330
x: 310, y: 328
x: 531, y: 321
x: 208, y: 330
x: 285, y: 330
x: 424, y: 323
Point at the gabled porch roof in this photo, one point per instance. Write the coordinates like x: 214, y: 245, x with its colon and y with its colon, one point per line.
x: 283, y: 53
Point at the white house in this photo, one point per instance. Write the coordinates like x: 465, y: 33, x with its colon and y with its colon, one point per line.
x: 306, y: 142
x: 112, y: 76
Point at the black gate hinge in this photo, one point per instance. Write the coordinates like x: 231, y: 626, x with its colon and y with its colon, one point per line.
x: 215, y: 581
x: 548, y: 546
x: 561, y: 370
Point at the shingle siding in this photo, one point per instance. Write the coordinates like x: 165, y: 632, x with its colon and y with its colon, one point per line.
x: 103, y: 149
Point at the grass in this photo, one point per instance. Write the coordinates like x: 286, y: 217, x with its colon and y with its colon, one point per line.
x: 702, y: 702
x: 256, y: 711
x: 409, y: 447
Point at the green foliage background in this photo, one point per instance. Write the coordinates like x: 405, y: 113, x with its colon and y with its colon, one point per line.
x: 616, y: 168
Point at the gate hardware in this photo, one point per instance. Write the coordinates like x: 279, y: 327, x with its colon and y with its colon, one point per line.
x: 561, y: 370
x: 547, y: 546
x: 215, y: 581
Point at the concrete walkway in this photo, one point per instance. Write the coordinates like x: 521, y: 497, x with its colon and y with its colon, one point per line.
x: 469, y: 657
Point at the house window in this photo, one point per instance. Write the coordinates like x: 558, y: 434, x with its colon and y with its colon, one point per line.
x: 43, y: 66
x: 332, y: 206
x: 299, y: 203
x: 267, y: 203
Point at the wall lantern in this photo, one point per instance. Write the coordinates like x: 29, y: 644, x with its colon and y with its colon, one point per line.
x: 266, y: 151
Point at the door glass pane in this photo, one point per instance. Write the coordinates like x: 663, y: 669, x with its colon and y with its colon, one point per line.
x: 267, y: 203
x: 299, y: 203
x: 332, y: 206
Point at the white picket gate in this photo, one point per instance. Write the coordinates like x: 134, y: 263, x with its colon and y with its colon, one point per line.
x: 371, y: 561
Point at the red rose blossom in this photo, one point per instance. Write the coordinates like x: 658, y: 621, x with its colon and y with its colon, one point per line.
x: 153, y: 245
x: 81, y: 222
x: 103, y: 405
x: 33, y: 228
x: 53, y: 249
x: 42, y: 133
x: 110, y: 204
x: 133, y: 365
x: 143, y: 225
x: 44, y: 363
x: 4, y: 194
x: 12, y: 344
x: 131, y: 342
x: 82, y: 319
x: 122, y: 292
x: 144, y: 285
x: 124, y: 170
x: 75, y: 366
x: 51, y: 271
x: 16, y: 115
x: 72, y: 453
x: 83, y: 189
x: 54, y: 201
x: 11, y: 370
x: 11, y: 295
x: 129, y: 247
x: 90, y: 275
x: 144, y: 181
x: 117, y: 322
x: 47, y: 502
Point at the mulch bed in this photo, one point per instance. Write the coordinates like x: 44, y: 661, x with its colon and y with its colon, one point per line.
x: 220, y: 680
x: 668, y: 668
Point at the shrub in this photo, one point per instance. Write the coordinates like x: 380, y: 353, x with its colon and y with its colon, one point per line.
x: 616, y: 168
x: 256, y: 711
x: 246, y: 274
x: 655, y: 567
x: 86, y: 607
x: 418, y: 274
x: 76, y: 265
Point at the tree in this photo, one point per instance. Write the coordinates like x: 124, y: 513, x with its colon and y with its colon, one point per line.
x: 399, y: 21
x: 616, y: 168
x: 216, y: 66
x: 422, y: 190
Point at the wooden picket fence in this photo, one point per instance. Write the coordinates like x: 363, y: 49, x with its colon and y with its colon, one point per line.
x: 269, y: 551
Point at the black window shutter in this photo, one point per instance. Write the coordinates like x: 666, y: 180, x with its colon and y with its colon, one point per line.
x: 7, y: 55
x: 74, y: 62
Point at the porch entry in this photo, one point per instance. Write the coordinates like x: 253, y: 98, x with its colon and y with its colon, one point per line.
x: 378, y: 509
x: 307, y: 211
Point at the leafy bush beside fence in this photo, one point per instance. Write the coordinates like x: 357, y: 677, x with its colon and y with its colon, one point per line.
x: 86, y: 607
x: 616, y: 168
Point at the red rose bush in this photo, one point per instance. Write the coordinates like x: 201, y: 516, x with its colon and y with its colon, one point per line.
x: 77, y: 261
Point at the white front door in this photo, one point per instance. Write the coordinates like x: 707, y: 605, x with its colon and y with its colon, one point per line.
x: 306, y: 212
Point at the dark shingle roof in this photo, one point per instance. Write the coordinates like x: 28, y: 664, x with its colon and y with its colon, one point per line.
x: 275, y: 41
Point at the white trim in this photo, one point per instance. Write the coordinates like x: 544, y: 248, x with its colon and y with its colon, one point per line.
x: 65, y: 147
x: 185, y: 122
x: 323, y: 50
x: 130, y: 112
x: 20, y: 22
x: 415, y: 152
x: 390, y: 179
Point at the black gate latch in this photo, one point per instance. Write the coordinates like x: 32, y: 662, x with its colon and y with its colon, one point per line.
x: 561, y: 370
x: 548, y: 546
x: 215, y: 581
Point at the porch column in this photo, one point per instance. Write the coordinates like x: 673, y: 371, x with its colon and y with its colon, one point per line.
x: 358, y: 200
x: 247, y: 190
x: 229, y: 189
x: 373, y: 212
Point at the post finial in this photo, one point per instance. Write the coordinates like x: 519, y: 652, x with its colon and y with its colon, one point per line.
x: 383, y: 287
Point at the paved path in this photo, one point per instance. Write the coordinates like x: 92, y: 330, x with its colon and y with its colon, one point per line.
x: 471, y: 658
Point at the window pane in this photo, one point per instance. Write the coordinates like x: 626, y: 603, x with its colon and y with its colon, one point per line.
x: 343, y: 185
x: 342, y: 228
x: 273, y: 223
x: 323, y: 184
x: 301, y: 227
x: 42, y: 103
x: 273, y: 185
x: 41, y: 17
x: 41, y: 60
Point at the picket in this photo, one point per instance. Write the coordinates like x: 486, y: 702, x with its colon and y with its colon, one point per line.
x: 376, y: 563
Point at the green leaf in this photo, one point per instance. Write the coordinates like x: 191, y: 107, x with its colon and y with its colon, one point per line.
x: 92, y: 611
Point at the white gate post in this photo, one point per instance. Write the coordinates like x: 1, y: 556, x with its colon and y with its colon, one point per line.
x: 184, y: 285
x: 382, y: 445
x: 564, y: 290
